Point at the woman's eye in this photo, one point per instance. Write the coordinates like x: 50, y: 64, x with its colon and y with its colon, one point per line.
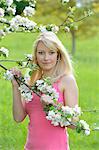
x: 40, y: 52
x: 52, y: 52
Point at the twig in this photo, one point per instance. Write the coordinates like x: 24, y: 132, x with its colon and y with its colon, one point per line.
x: 3, y: 67
x: 62, y: 24
x: 81, y: 19
x: 95, y: 129
x: 9, y: 60
x: 6, y: 22
x: 18, y: 79
x: 94, y: 110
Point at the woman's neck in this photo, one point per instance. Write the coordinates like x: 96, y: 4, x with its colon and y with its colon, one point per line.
x: 48, y: 73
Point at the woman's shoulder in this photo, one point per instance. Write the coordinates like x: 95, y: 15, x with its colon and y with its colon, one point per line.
x: 67, y: 78
x: 68, y: 81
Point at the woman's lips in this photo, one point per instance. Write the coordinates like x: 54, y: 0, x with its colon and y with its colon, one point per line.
x: 46, y: 63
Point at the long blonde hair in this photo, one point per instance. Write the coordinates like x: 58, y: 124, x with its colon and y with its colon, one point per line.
x: 63, y: 65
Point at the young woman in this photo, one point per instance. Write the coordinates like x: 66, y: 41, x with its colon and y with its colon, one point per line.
x: 53, y: 61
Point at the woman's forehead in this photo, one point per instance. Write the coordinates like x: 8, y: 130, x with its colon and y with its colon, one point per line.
x: 40, y: 44
x: 46, y: 46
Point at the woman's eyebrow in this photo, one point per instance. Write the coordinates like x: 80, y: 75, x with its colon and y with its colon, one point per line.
x: 40, y: 50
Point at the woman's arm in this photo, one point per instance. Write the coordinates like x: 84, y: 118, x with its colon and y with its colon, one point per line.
x: 70, y: 90
x: 18, y: 105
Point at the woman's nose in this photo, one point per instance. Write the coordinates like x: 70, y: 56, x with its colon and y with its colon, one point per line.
x: 46, y: 57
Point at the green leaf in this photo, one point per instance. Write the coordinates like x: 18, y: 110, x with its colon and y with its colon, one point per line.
x: 30, y: 73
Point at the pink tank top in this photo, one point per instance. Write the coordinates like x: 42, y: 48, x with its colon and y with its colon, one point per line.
x: 42, y: 135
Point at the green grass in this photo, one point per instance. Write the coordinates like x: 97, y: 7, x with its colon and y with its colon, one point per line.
x: 86, y: 64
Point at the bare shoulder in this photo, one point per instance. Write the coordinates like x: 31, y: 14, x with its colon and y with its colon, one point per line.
x: 68, y: 78
x: 68, y: 81
x: 70, y: 90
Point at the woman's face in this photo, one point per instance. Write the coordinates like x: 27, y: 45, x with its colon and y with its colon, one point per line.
x: 46, y: 58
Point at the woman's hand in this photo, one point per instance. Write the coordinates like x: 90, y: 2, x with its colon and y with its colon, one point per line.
x: 17, y: 73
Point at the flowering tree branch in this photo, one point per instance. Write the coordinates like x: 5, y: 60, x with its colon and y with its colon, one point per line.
x: 9, y: 60
x: 55, y: 111
x: 19, y: 80
x: 23, y: 24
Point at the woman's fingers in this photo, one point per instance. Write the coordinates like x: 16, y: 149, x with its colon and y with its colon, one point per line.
x: 16, y: 72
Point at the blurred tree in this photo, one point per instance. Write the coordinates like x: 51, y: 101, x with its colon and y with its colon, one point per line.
x: 88, y: 27
x: 49, y: 11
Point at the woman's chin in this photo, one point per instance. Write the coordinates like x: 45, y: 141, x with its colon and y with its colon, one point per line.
x: 47, y: 69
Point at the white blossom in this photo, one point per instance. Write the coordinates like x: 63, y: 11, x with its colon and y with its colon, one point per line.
x: 28, y: 56
x: 1, y: 12
x: 15, y: 22
x: 2, y: 33
x: 43, y: 87
x: 38, y: 82
x: 49, y: 89
x: 87, y: 132
x: 55, y: 123
x: 84, y: 124
x: 11, y: 10
x: 67, y: 29
x: 51, y: 115
x: 77, y: 111
x: 54, y: 94
x: 27, y: 96
x: 64, y: 122
x: 32, y: 3
x: 18, y: 21
x: 67, y: 110
x: 29, y: 24
x: 4, y: 51
x: 24, y: 64
x: 55, y: 118
x: 85, y: 127
x: 47, y: 99
x: 42, y: 28
x: 58, y: 117
x: 55, y: 29
x: 96, y: 128
x: 8, y: 75
x: 25, y: 92
x: 9, y: 2
x: 27, y: 76
x: 3, y: 20
x: 29, y: 11
x: 14, y: 27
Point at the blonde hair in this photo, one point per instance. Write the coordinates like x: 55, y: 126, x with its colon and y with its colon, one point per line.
x: 63, y: 65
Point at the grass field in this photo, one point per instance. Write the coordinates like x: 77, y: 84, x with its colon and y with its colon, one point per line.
x: 86, y: 64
